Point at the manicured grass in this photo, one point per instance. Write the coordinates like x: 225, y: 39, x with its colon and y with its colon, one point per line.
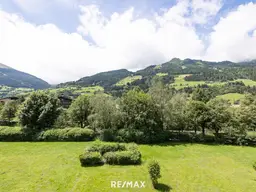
x: 232, y: 97
x: 77, y: 90
x: 127, y: 80
x: 193, y: 168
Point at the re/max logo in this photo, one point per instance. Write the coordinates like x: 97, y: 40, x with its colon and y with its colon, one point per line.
x: 128, y: 184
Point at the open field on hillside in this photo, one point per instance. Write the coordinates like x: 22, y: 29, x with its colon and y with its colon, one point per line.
x: 232, y: 97
x: 127, y: 80
x: 185, y: 167
x: 181, y: 83
x: 247, y: 82
x: 78, y: 90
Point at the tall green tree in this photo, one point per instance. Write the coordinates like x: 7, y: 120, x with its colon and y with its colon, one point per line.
x: 39, y: 111
x: 80, y: 110
x: 141, y: 113
x: 9, y: 110
x: 105, y: 112
x: 220, y: 116
x: 198, y: 115
x: 175, y: 117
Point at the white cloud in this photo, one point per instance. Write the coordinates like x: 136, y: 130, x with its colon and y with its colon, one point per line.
x: 124, y: 41
x: 233, y: 37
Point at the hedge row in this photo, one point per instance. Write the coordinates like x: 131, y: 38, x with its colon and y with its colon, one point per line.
x: 111, y: 153
x: 12, y: 134
x: 67, y: 134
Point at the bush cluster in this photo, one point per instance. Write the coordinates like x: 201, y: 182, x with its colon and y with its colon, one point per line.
x: 123, y: 158
x: 103, y: 148
x: 67, y: 134
x: 111, y: 153
x: 91, y: 159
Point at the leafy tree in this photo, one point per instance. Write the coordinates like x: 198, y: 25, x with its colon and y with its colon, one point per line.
x: 39, y: 111
x: 105, y: 113
x: 175, y: 113
x: 80, y: 110
x: 63, y: 119
x: 247, y: 113
x: 9, y: 110
x: 219, y: 114
x: 141, y: 113
x: 200, y: 94
x: 198, y: 115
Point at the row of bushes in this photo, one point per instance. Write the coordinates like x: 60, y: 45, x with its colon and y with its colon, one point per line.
x: 110, y: 153
x: 84, y: 134
x: 67, y: 134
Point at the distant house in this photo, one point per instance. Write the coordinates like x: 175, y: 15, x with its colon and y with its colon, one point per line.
x: 6, y: 99
x: 65, y: 101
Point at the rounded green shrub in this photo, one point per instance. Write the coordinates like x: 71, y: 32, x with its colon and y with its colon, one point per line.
x: 91, y: 159
x: 123, y: 158
x: 13, y: 134
x: 106, y: 147
x: 154, y: 172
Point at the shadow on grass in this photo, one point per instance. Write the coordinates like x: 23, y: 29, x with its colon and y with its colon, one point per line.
x: 163, y: 187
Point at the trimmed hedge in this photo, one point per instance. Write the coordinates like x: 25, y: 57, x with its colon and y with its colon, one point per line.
x: 12, y: 134
x: 123, y: 158
x: 106, y: 147
x: 91, y: 159
x: 67, y: 134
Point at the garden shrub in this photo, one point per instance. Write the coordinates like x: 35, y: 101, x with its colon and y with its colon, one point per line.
x: 123, y: 158
x: 154, y: 172
x: 67, y: 134
x: 91, y: 159
x: 254, y: 165
x: 13, y: 134
x: 106, y: 147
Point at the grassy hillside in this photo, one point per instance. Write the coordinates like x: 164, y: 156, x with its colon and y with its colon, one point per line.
x: 127, y: 80
x: 55, y: 167
x: 232, y: 97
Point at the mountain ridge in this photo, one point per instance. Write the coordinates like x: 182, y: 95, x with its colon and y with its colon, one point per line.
x: 14, y: 78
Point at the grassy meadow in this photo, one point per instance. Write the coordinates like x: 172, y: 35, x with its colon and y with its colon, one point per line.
x: 127, y: 80
x: 232, y: 97
x: 185, y: 168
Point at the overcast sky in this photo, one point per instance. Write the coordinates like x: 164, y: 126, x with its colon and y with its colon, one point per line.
x: 63, y: 40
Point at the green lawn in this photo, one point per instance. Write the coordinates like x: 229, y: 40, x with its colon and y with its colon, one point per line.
x: 127, y: 80
x: 55, y: 167
x: 232, y: 97
x: 247, y: 82
x: 162, y: 74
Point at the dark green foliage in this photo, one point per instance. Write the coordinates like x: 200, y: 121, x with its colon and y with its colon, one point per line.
x: 254, y: 165
x: 13, y: 134
x: 91, y: 159
x: 9, y: 110
x: 80, y: 110
x: 106, y: 147
x: 123, y: 157
x: 39, y: 112
x: 67, y: 134
x: 141, y: 113
x: 154, y: 172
